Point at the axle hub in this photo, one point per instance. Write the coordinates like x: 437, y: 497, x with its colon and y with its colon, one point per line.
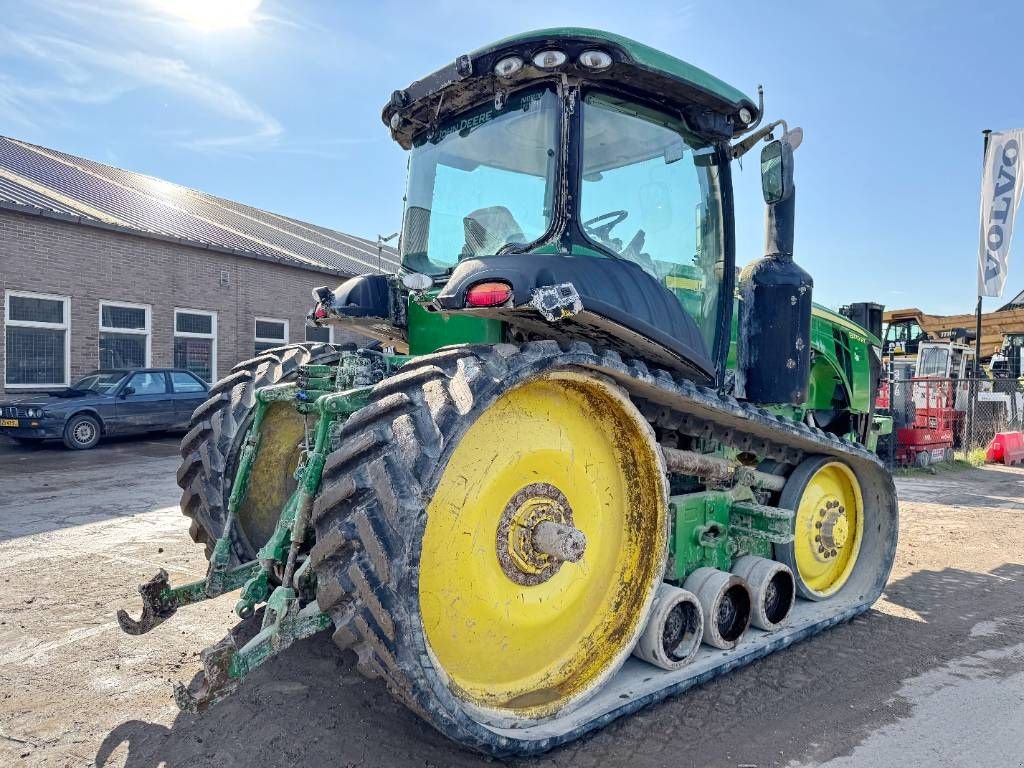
x: 536, y: 535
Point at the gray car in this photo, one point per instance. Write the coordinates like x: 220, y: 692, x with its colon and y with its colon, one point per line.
x: 104, y: 403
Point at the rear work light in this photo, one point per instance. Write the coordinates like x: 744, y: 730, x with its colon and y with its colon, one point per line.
x: 488, y: 294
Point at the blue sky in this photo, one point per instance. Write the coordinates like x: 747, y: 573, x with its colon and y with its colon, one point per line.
x: 283, y: 111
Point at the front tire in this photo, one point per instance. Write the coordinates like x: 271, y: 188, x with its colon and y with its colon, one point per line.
x: 82, y: 432
x: 828, y: 528
x: 210, y: 449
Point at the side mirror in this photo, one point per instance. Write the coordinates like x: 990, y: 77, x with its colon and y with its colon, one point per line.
x: 776, y: 171
x: 777, y: 166
x: 127, y: 391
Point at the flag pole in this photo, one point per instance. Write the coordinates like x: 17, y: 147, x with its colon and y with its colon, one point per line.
x: 977, y: 320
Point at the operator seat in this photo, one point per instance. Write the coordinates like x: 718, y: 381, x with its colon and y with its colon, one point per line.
x: 488, y: 229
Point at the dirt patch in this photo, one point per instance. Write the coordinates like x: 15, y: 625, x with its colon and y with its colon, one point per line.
x: 75, y: 691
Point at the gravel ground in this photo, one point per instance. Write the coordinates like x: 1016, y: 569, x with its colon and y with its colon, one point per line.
x: 933, y: 676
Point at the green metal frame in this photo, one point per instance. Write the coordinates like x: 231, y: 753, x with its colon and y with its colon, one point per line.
x: 713, y: 528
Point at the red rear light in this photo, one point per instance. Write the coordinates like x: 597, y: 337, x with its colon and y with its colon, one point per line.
x: 320, y: 312
x: 488, y: 294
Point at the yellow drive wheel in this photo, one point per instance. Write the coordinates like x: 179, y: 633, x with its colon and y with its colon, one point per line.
x: 271, y: 480
x: 828, y: 528
x: 544, y: 543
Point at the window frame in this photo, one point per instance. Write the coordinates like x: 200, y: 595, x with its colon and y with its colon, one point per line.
x: 263, y: 339
x: 305, y: 336
x: 212, y: 336
x: 65, y: 327
x: 147, y: 331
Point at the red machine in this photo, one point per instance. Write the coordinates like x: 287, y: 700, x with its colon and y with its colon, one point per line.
x: 927, y: 436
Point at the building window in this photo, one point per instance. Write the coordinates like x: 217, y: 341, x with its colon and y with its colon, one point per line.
x: 323, y: 333
x: 37, y: 347
x: 195, y: 342
x: 270, y: 333
x: 124, y: 335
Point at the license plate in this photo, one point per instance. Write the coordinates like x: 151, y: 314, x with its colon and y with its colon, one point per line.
x: 8, y: 422
x: 938, y: 453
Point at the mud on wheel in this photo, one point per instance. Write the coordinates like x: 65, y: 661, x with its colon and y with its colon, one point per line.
x: 438, y: 530
x: 432, y: 553
x: 210, y: 449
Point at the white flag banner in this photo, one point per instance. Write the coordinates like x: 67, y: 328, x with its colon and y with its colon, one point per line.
x: 1002, y: 183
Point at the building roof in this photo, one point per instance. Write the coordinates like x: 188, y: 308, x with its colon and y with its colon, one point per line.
x: 1017, y: 302
x: 46, y: 182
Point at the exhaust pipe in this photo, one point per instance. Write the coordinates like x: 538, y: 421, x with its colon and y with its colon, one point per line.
x: 725, y: 602
x: 674, y: 630
x: 772, y: 587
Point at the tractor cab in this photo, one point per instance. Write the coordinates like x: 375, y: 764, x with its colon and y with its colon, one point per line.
x: 574, y: 185
x: 902, y: 337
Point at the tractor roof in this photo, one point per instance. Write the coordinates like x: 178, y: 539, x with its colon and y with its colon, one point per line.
x: 637, y: 68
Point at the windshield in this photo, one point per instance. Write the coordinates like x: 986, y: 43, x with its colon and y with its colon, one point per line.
x: 481, y: 183
x: 934, y: 362
x: 100, y: 381
x: 649, y: 194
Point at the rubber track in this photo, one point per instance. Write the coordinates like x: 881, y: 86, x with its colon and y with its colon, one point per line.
x: 216, y: 431
x: 370, y: 516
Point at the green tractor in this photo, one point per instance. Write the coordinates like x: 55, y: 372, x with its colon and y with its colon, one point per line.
x: 585, y: 464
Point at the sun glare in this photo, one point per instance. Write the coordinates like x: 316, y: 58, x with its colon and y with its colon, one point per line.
x: 211, y: 15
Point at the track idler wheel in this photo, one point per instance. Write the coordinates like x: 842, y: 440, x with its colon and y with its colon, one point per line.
x: 725, y: 601
x: 772, y: 588
x: 674, y: 630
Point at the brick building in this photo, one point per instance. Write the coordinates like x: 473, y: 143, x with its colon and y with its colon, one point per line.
x: 104, y: 268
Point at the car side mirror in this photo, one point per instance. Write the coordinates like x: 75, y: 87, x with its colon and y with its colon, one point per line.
x: 127, y: 391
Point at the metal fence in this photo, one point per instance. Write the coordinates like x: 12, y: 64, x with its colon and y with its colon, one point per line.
x: 941, y: 419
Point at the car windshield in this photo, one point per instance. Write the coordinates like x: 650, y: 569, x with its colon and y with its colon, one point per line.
x: 482, y: 183
x: 100, y: 381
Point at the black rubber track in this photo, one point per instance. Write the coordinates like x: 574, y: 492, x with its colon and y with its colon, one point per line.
x: 218, y: 426
x: 370, y: 514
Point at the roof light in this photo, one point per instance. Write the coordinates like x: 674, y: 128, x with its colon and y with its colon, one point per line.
x: 549, y: 59
x: 508, y: 66
x: 595, y: 60
x: 488, y: 294
x: 745, y: 116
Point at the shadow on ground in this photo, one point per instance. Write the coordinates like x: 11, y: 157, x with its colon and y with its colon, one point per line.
x: 311, y: 707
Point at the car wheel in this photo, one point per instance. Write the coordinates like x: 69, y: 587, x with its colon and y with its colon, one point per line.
x: 81, y: 432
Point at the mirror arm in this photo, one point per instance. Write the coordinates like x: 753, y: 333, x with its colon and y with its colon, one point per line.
x: 741, y: 148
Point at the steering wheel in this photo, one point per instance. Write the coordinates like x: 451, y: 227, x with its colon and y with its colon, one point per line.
x: 604, y: 231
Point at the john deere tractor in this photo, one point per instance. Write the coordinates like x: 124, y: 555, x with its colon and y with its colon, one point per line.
x: 581, y: 463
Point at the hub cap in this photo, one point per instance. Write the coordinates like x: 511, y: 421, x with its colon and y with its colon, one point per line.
x: 84, y: 432
x: 544, y: 543
x: 829, y: 528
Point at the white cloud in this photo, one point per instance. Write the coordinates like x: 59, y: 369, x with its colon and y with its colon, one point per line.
x: 82, y: 73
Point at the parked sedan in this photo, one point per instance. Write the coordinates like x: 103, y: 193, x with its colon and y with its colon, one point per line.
x: 107, y: 402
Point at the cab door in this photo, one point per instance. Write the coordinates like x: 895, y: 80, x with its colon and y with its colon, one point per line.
x: 144, y: 403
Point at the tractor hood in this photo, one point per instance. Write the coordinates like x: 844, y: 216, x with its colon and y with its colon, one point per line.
x: 710, y: 105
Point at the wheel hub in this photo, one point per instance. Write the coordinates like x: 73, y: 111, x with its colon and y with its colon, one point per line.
x: 833, y: 530
x: 536, y: 535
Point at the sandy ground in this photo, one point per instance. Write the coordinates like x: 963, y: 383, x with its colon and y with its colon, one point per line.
x: 933, y: 676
